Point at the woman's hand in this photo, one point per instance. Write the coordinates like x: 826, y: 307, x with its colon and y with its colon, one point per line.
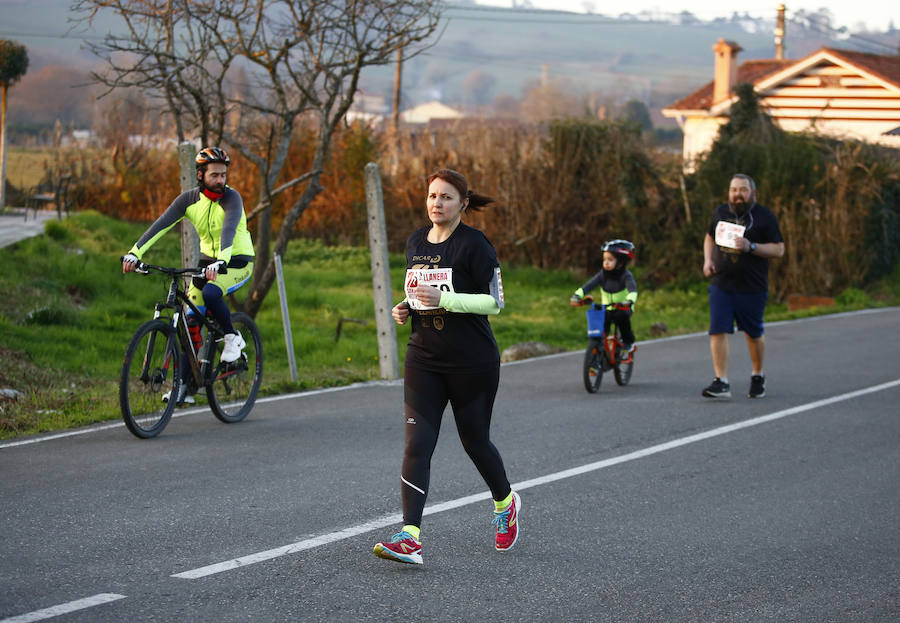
x: 428, y: 295
x: 400, y: 312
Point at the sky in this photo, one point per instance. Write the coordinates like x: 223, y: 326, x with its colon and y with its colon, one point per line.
x: 875, y: 14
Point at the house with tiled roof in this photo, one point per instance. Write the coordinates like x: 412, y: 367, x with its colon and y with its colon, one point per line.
x: 840, y: 93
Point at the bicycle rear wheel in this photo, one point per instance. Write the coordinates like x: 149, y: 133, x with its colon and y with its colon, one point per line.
x: 593, y: 366
x: 150, y: 370
x: 234, y: 386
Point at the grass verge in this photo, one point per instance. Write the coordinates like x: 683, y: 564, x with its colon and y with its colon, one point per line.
x: 67, y: 313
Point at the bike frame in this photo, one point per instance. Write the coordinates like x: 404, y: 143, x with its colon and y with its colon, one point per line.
x: 176, y: 300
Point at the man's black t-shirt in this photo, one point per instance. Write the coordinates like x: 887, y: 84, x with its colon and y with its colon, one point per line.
x: 744, y: 272
x: 440, y: 340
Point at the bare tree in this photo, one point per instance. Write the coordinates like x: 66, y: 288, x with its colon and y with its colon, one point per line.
x: 302, y: 58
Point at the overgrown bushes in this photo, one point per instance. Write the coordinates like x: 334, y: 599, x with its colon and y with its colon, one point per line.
x: 565, y: 187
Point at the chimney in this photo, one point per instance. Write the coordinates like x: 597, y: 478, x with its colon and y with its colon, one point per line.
x: 726, y: 69
x: 779, y: 34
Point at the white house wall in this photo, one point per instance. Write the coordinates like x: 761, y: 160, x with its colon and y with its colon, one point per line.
x: 699, y: 135
x: 836, y: 101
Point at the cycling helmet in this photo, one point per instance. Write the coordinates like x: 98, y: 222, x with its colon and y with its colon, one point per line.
x: 211, y: 154
x: 622, y: 249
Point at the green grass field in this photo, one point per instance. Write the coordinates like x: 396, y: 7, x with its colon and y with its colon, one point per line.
x: 67, y: 313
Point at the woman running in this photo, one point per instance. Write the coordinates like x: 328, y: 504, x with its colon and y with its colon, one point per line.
x: 452, y: 283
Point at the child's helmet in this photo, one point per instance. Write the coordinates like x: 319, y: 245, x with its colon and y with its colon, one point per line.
x: 621, y: 249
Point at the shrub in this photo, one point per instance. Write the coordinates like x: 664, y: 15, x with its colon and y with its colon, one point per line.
x: 55, y: 230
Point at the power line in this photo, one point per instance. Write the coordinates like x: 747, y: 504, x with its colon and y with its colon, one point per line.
x: 42, y: 35
x: 827, y: 29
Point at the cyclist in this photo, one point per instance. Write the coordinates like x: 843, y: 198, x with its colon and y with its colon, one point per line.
x: 617, y: 286
x: 217, y: 213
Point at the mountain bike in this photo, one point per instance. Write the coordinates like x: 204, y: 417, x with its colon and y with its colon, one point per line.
x: 152, y: 368
x: 604, y: 352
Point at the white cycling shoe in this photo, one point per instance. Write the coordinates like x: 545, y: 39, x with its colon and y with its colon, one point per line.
x: 233, y: 345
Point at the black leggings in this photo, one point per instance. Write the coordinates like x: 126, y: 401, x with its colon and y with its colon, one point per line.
x: 426, y: 395
x: 622, y: 318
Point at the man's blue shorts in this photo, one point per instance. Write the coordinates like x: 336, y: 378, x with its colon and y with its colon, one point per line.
x: 744, y: 308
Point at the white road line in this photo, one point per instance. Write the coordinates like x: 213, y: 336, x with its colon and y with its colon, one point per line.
x: 384, y: 522
x: 72, y: 606
x: 183, y: 412
x: 327, y: 390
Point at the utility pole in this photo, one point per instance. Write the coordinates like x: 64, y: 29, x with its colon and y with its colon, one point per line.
x: 395, y: 126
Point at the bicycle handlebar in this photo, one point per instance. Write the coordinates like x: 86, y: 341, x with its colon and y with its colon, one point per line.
x: 587, y: 300
x: 197, y: 271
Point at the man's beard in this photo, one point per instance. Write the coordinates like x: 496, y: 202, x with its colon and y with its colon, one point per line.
x: 739, y: 207
x: 216, y: 188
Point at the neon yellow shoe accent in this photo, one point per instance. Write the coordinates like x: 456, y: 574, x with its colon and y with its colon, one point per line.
x: 504, y: 503
x: 413, y: 531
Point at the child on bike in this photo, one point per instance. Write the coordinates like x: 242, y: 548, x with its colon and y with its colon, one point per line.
x: 617, y: 287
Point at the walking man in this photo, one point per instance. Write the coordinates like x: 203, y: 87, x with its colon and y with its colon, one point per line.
x: 741, y: 239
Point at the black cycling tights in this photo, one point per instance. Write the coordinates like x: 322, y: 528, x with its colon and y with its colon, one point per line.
x: 471, y: 396
x: 622, y: 318
x: 214, y: 299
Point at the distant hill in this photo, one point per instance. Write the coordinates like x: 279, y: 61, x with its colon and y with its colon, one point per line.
x: 654, y: 61
x: 484, y: 53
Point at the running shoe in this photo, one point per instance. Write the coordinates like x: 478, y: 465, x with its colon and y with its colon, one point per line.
x: 401, y: 548
x: 757, y: 386
x: 507, y: 524
x: 717, y: 389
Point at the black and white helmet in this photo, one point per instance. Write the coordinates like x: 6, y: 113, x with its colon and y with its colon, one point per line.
x: 622, y: 249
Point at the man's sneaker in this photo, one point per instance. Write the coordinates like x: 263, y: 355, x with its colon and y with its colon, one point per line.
x: 625, y: 352
x: 184, y: 397
x: 401, y: 548
x: 718, y: 389
x: 757, y: 386
x: 233, y: 345
x: 507, y: 524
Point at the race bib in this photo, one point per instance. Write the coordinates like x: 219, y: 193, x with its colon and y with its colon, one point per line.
x: 441, y: 278
x: 728, y: 235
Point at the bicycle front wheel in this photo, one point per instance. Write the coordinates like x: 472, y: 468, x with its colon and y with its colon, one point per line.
x: 233, y: 388
x: 150, y: 375
x: 593, y: 366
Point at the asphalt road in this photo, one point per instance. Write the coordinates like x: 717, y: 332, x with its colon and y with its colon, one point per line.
x: 17, y: 224
x: 643, y: 503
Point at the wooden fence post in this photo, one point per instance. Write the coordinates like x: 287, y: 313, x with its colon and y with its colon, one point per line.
x: 381, y: 276
x: 190, y: 242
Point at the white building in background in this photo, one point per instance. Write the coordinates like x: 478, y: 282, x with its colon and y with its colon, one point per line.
x: 838, y: 93
x: 368, y: 108
x: 423, y: 113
